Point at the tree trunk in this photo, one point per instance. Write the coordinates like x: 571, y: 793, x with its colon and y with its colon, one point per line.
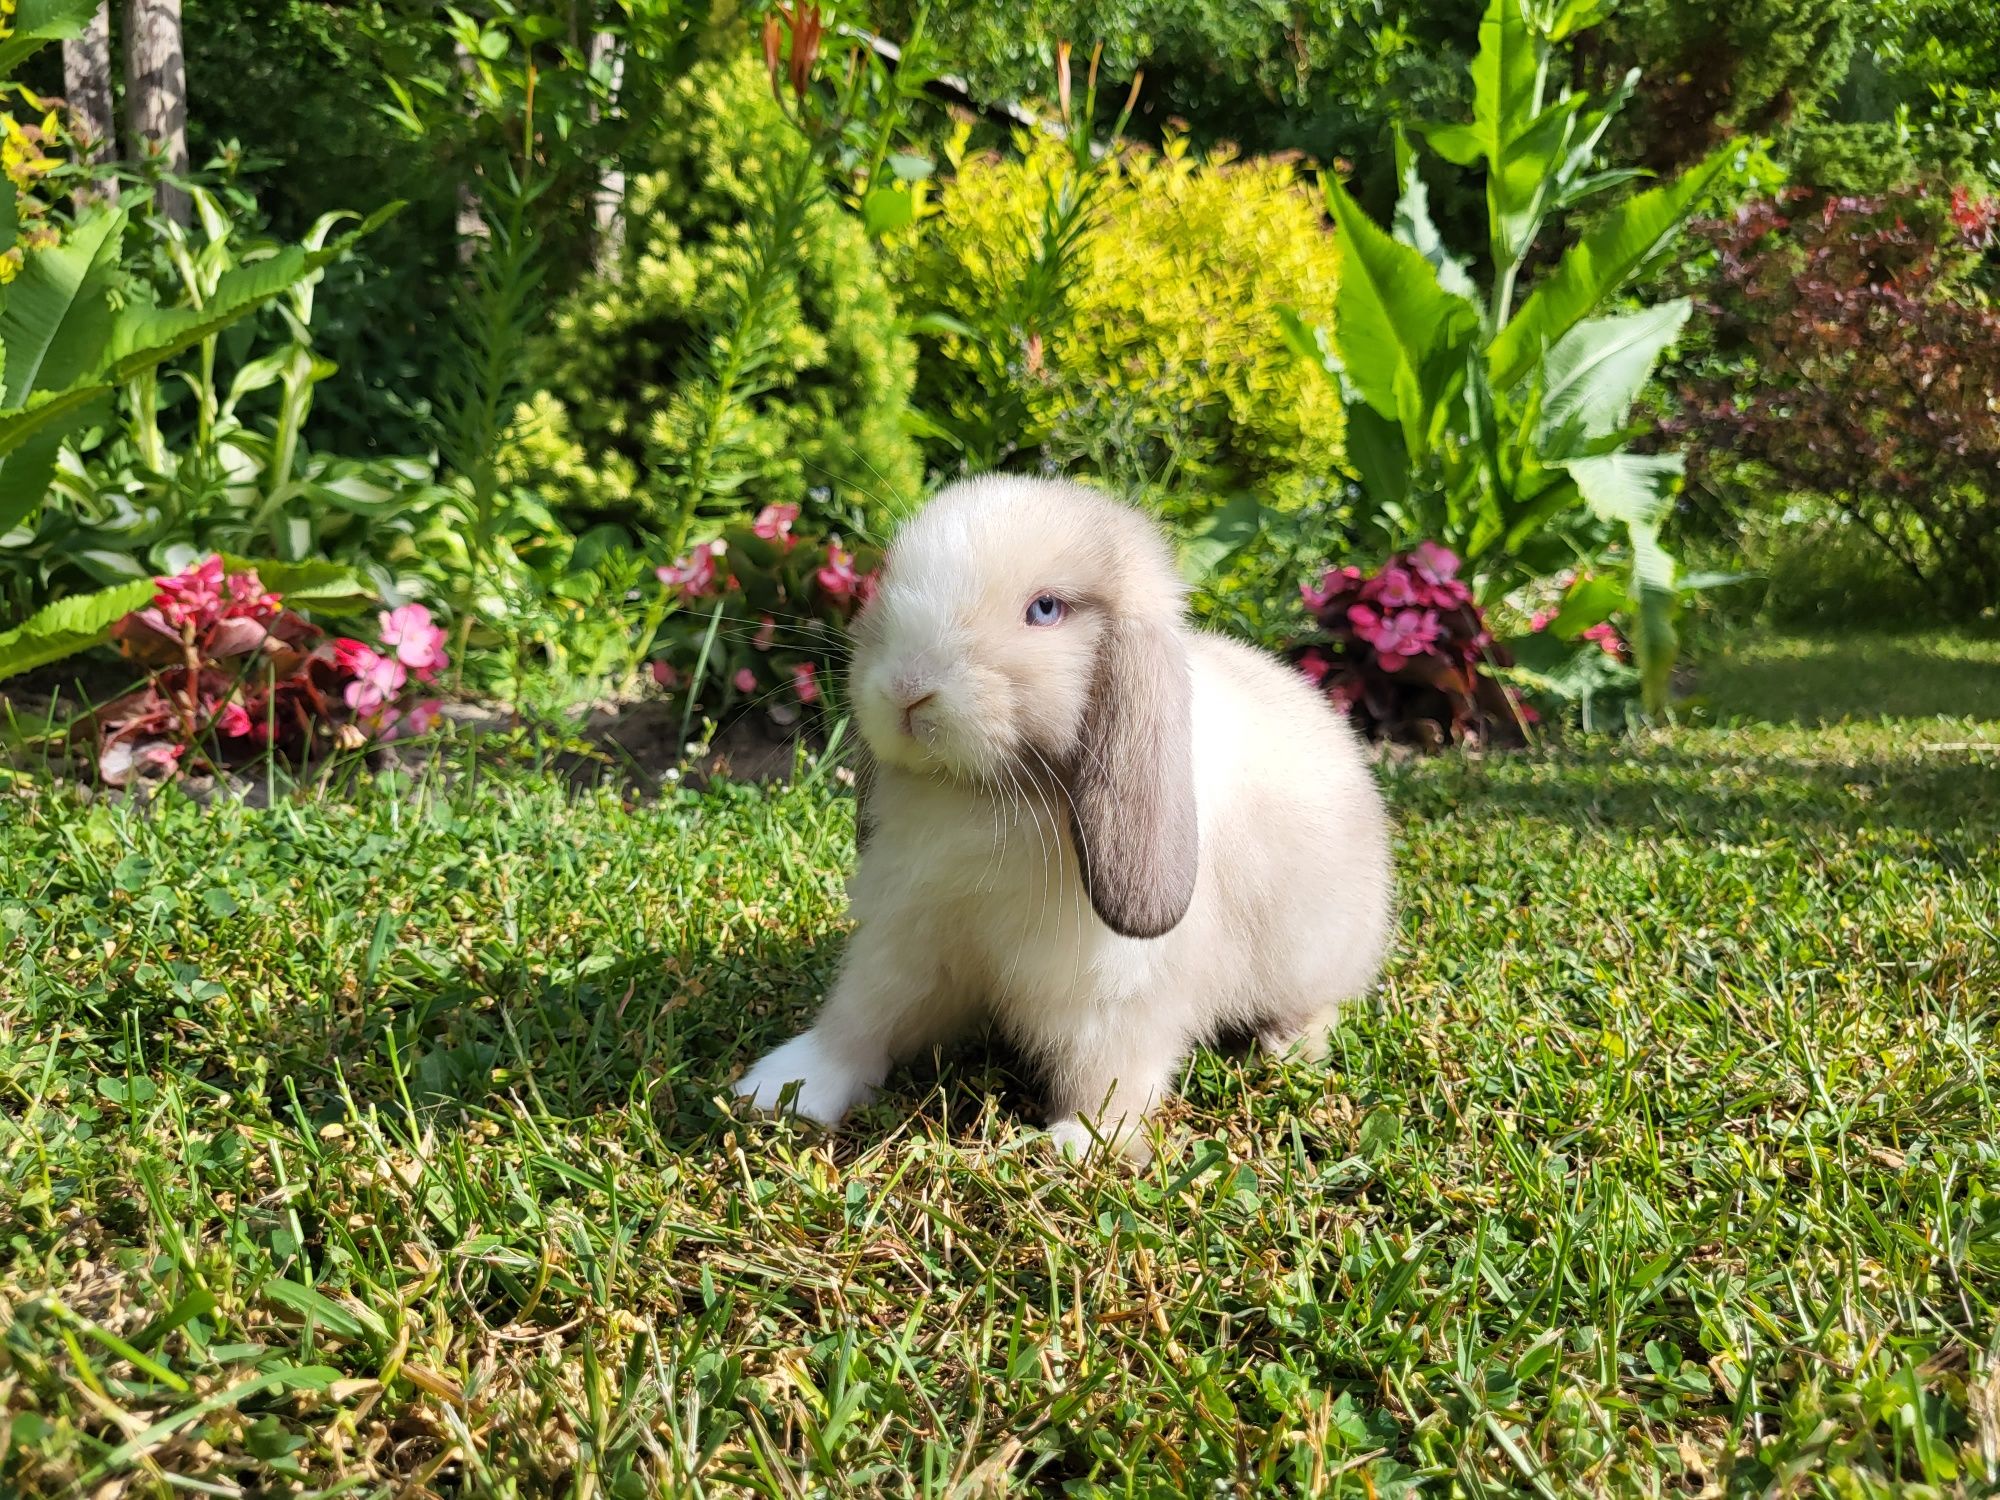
x: 156, y: 97
x: 87, y: 85
x: 470, y: 226
x: 608, y: 203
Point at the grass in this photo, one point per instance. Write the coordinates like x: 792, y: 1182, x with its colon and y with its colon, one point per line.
x: 374, y: 1145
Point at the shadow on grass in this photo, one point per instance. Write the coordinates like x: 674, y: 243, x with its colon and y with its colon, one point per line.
x: 1938, y: 803
x: 1821, y: 680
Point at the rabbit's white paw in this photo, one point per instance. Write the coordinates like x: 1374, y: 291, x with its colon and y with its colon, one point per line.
x: 829, y: 1086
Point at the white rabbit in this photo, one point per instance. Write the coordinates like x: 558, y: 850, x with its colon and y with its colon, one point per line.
x: 1108, y: 833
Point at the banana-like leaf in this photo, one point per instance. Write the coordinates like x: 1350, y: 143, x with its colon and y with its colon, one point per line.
x: 1596, y: 371
x: 57, y: 319
x: 1635, y: 490
x: 1596, y: 268
x: 1414, y: 227
x: 39, y: 22
x: 1392, y: 319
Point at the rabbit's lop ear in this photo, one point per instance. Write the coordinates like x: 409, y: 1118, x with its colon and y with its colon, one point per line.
x: 1132, y: 785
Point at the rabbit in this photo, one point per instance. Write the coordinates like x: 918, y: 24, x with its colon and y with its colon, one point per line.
x: 1082, y: 820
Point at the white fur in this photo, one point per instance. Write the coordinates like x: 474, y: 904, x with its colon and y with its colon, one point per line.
x: 968, y: 904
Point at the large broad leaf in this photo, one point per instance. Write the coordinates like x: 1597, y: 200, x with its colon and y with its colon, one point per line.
x: 57, y: 319
x: 1375, y: 447
x: 1235, y: 526
x: 1506, y: 77
x: 69, y: 626
x: 39, y: 22
x: 1392, y: 319
x: 1636, y: 489
x: 1414, y: 227
x: 1596, y: 371
x: 54, y: 328
x: 1596, y: 268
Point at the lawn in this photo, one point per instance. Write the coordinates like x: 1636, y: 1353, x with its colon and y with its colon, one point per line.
x: 377, y: 1143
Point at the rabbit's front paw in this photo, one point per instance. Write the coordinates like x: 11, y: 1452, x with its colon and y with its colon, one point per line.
x: 829, y: 1086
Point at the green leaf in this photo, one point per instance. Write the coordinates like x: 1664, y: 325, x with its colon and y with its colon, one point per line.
x: 57, y: 319
x: 1391, y: 317
x: 355, y: 1322
x: 1506, y: 75
x: 1375, y: 446
x: 1636, y: 489
x: 1590, y: 601
x: 1413, y: 225
x: 39, y: 22
x: 1596, y: 371
x: 1596, y: 268
x: 145, y: 335
x: 1233, y: 527
x: 69, y: 626
x: 324, y: 587
x: 884, y: 210
x: 10, y: 215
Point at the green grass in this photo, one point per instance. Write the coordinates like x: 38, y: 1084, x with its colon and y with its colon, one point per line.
x: 375, y: 1143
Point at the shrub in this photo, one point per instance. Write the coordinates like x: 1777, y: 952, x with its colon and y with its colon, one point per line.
x: 1503, y: 430
x: 1163, y: 356
x: 1405, y: 652
x: 236, y: 675
x: 1853, y: 360
x: 617, y: 423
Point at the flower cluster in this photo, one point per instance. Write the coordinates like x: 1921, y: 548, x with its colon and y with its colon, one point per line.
x: 785, y: 602
x: 1404, y: 650
x: 235, y: 674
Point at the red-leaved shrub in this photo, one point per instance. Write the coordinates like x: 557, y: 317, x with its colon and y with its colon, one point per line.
x: 1403, y: 651
x: 236, y: 675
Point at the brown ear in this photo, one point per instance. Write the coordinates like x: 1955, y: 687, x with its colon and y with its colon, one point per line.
x: 1131, y: 786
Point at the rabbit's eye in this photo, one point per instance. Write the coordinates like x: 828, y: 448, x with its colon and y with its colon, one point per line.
x: 1046, y: 610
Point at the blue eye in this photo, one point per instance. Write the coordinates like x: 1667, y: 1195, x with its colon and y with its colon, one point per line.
x: 1046, y: 610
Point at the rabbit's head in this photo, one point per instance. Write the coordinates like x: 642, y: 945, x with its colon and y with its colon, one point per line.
x: 1029, y: 631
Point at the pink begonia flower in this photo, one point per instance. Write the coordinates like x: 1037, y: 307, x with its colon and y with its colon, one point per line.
x: 1314, y: 665
x: 837, y: 576
x: 865, y: 586
x: 694, y: 575
x: 805, y: 682
x: 377, y: 678
x: 234, y: 721
x: 1397, y: 637
x: 192, y: 596
x: 1434, y: 564
x: 766, y: 628
x: 1334, y: 585
x: 774, y: 523
x: 1540, y: 621
x: 1345, y: 693
x: 1606, y: 637
x: 665, y: 675
x: 1395, y: 587
x: 248, y: 598
x: 745, y: 680
x: 419, y: 644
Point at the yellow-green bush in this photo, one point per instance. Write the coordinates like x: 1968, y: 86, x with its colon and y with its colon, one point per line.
x: 1167, y: 363
x: 824, y: 427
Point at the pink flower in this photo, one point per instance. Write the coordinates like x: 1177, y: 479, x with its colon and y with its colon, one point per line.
x: 1334, y: 585
x: 419, y: 644
x: 234, y: 721
x: 1434, y: 564
x: 745, y: 680
x: 248, y: 599
x: 805, y: 682
x: 766, y: 628
x: 837, y: 576
x: 377, y: 678
x: 1314, y: 665
x: 1344, y: 693
x: 192, y: 596
x: 1541, y: 620
x: 1396, y: 637
x: 665, y: 675
x: 774, y: 523
x: 159, y: 755
x: 694, y: 575
x: 865, y: 586
x: 1395, y: 587
x: 1605, y: 635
